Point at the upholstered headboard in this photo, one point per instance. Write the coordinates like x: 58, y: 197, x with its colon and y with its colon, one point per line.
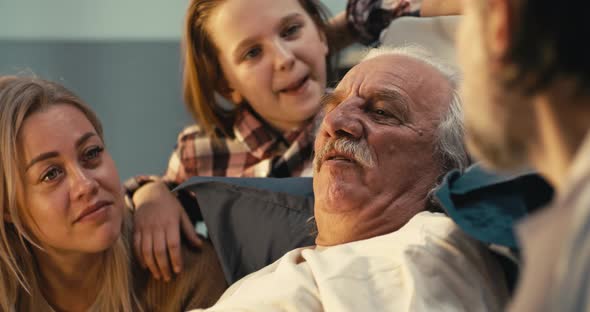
x: 437, y: 34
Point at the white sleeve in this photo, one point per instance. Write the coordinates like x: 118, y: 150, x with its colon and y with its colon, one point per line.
x: 455, y: 273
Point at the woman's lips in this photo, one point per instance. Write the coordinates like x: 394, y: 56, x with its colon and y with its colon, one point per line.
x: 94, y: 212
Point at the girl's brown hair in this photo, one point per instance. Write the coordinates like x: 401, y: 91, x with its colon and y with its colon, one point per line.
x: 202, y: 72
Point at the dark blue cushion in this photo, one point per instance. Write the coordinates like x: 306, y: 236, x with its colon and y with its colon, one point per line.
x: 298, y: 186
x: 253, y: 221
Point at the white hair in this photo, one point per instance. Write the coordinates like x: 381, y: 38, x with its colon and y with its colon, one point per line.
x: 450, y: 132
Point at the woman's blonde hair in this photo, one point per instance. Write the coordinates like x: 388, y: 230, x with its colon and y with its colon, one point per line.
x: 20, y: 288
x: 202, y: 74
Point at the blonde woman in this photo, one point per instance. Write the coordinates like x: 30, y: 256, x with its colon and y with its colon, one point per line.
x: 64, y: 239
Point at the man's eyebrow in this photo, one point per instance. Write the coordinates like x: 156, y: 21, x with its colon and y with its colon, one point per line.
x: 248, y: 41
x: 331, y: 99
x: 394, y: 98
x: 48, y: 155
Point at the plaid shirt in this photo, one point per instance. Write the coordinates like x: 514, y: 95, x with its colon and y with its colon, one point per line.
x: 256, y: 151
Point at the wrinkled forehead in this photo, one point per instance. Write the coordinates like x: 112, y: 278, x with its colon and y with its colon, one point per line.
x: 422, y: 84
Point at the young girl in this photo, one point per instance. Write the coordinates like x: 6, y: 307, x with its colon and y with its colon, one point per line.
x: 269, y: 59
x: 64, y: 238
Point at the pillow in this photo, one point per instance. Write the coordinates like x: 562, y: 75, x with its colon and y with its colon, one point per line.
x: 252, y: 222
x: 436, y: 34
x: 299, y: 186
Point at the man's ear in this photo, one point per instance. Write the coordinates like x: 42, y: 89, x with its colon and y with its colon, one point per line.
x: 498, y: 28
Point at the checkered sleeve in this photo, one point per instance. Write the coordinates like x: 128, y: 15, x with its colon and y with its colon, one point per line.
x: 255, y: 151
x: 176, y: 173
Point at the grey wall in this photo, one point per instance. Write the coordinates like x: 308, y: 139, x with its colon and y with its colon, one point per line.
x: 99, y: 19
x: 91, y: 19
x: 121, y: 56
x: 133, y: 86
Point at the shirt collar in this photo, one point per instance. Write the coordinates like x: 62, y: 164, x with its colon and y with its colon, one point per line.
x: 262, y: 140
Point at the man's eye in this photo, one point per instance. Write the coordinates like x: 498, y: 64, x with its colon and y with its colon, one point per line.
x: 379, y: 112
x: 384, y: 116
x: 51, y: 174
x: 92, y: 153
x: 291, y: 30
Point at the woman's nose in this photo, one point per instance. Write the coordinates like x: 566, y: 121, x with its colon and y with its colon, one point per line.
x: 83, y: 184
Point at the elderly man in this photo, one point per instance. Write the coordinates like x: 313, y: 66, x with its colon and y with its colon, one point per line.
x: 392, y: 128
x: 527, y: 91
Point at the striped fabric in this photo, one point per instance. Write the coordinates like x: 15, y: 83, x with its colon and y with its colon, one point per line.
x: 256, y: 151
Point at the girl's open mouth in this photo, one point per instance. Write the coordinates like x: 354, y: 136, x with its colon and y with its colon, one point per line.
x: 300, y: 85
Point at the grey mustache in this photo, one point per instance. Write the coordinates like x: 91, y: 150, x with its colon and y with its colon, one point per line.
x: 358, y: 149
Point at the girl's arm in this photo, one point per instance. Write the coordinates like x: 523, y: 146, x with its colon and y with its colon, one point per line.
x: 363, y: 22
x: 440, y: 7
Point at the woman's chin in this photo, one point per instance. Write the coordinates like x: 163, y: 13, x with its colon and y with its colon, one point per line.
x: 104, y: 239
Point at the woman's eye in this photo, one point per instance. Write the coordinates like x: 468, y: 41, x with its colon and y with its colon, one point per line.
x: 291, y: 30
x: 92, y: 153
x: 252, y: 53
x: 380, y: 112
x: 51, y: 174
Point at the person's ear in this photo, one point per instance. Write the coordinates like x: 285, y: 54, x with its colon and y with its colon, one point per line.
x: 499, y: 26
x: 225, y: 90
x: 236, y: 97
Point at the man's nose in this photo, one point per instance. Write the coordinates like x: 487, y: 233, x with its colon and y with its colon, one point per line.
x: 344, y: 121
x: 83, y: 184
x: 284, y: 57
